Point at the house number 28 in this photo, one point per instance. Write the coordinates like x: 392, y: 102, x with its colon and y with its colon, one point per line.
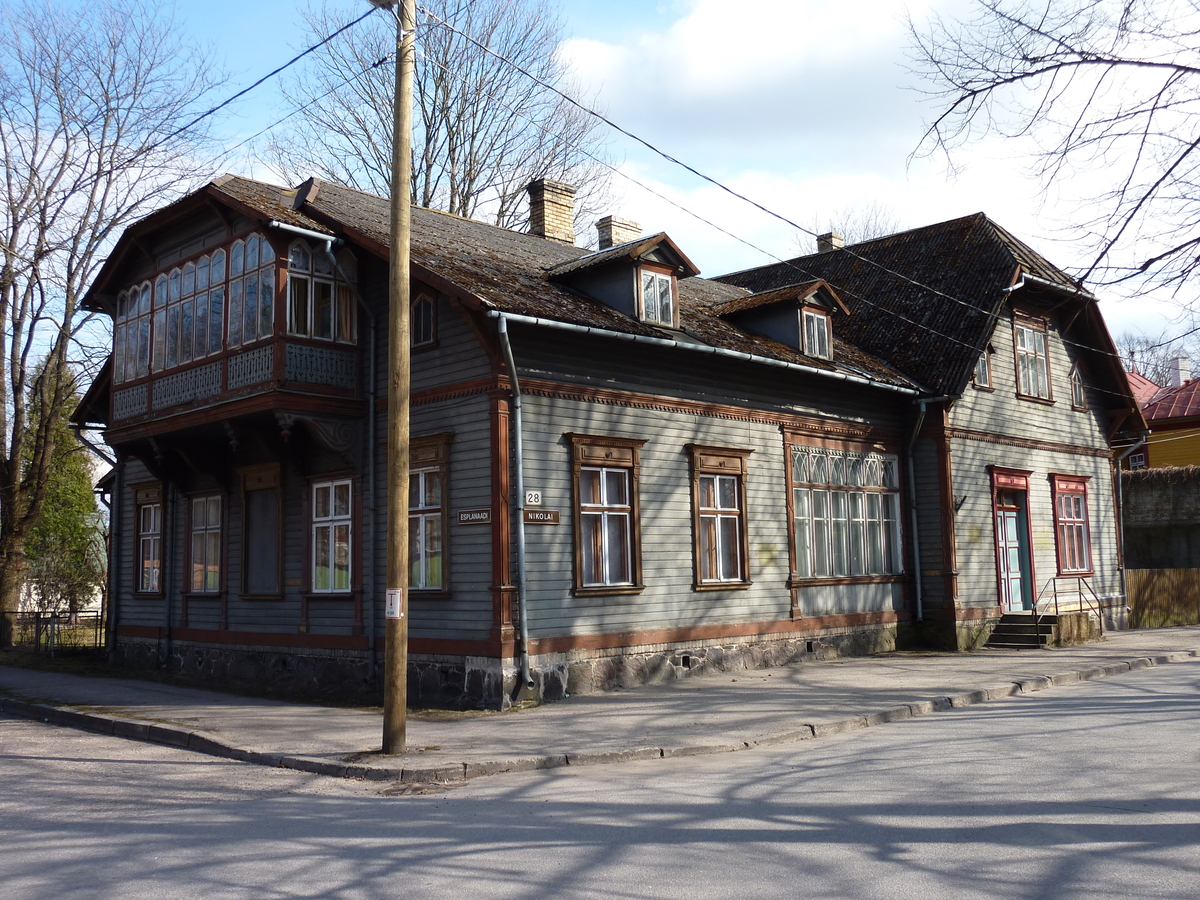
x: 533, y: 498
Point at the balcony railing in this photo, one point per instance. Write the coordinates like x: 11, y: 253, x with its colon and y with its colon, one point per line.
x: 239, y: 374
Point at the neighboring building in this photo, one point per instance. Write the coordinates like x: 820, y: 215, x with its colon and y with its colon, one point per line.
x: 1173, y: 417
x: 715, y: 475
x: 1014, y: 464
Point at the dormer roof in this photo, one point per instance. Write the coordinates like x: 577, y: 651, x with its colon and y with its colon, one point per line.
x: 655, y: 248
x: 815, y: 292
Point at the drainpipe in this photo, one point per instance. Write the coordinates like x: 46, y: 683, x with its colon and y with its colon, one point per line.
x: 372, y: 511
x: 168, y: 559
x: 1121, y: 509
x: 918, y: 587
x: 518, y: 453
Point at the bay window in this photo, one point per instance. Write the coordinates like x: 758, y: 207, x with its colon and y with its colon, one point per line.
x: 320, y: 303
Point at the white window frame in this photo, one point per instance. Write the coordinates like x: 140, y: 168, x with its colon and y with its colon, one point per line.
x: 983, y: 370
x: 818, y: 341
x: 1078, y: 389
x: 713, y: 539
x: 652, y: 312
x: 330, y: 523
x: 311, y: 279
x: 845, y: 513
x: 1033, y: 361
x: 149, y: 519
x: 426, y: 525
x: 206, y: 554
x: 602, y: 512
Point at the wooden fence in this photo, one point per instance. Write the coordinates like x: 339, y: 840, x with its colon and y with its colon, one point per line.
x: 1162, y: 597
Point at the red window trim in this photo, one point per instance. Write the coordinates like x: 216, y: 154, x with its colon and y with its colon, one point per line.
x: 1071, y: 484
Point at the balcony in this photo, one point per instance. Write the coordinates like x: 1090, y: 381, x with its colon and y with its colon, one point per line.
x: 289, y: 368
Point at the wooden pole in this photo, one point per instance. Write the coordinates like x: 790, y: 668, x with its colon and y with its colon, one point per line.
x: 395, y: 662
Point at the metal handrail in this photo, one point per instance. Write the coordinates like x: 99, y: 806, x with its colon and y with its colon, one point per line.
x: 1052, y: 586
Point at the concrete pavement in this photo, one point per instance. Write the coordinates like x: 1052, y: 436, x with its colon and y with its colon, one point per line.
x: 709, y: 714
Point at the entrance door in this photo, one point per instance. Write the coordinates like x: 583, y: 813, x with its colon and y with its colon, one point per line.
x: 1012, y: 552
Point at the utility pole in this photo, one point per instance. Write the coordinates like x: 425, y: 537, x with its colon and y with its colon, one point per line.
x: 395, y: 654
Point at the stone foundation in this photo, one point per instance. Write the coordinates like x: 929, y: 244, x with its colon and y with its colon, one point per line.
x: 455, y: 682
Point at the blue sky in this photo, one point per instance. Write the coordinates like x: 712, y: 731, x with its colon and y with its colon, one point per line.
x: 793, y: 102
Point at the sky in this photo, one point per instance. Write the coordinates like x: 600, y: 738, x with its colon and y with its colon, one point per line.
x: 806, y: 106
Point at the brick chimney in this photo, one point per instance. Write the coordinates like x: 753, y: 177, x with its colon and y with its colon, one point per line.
x: 615, y: 231
x: 1181, y: 371
x: 830, y: 241
x: 552, y: 210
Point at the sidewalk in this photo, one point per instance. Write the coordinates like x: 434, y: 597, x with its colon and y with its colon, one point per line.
x: 710, y: 714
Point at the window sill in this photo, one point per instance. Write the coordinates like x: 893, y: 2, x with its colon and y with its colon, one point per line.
x: 1045, y: 401
x: 275, y: 596
x: 1079, y: 408
x: 149, y: 595
x: 204, y: 595
x: 330, y: 595
x: 421, y: 348
x: 722, y: 585
x: 429, y: 593
x: 797, y: 581
x: 1087, y: 574
x: 984, y: 387
x: 608, y: 590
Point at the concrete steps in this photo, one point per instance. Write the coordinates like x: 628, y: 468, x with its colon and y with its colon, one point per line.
x: 1020, y: 631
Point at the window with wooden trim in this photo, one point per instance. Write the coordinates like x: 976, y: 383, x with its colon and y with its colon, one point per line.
x: 845, y: 512
x: 1033, y: 365
x: 657, y: 297
x: 1078, y: 390
x: 423, y: 322
x: 427, y: 522
x: 332, y: 505
x: 607, y: 539
x: 816, y: 334
x: 1071, y: 524
x: 719, y: 516
x: 131, y: 333
x: 320, y: 302
x: 205, y: 556
x: 982, y: 378
x: 148, y: 509
x: 1137, y: 460
x: 261, y: 518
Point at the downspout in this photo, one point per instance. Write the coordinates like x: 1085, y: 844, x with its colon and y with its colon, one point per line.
x: 372, y: 510
x: 168, y: 554
x: 918, y: 587
x: 518, y: 453
x: 1121, y: 509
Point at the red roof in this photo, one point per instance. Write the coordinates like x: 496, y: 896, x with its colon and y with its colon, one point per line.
x: 1176, y: 403
x: 1144, y: 390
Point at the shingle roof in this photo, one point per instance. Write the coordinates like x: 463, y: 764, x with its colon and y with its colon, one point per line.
x: 925, y: 299
x: 1175, y: 403
x: 507, y: 271
x: 766, y: 298
x: 628, y: 250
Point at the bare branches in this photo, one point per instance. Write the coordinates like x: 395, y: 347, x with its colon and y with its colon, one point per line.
x: 90, y: 133
x: 1101, y: 86
x: 483, y: 130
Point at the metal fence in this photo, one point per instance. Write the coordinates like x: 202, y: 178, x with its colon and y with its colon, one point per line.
x: 58, y: 633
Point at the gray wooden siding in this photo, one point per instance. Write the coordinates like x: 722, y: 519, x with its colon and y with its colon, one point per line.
x: 929, y: 521
x: 1000, y: 411
x: 666, y: 526
x: 467, y: 612
x: 687, y: 375
x: 976, y: 530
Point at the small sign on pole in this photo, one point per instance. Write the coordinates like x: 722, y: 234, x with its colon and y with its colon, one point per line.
x: 394, y: 608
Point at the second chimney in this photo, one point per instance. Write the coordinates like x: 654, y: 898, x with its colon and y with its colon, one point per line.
x: 552, y: 210
x: 1181, y: 371
x: 830, y: 241
x: 613, y: 231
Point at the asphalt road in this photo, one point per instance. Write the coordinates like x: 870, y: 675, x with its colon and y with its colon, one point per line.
x: 1091, y: 790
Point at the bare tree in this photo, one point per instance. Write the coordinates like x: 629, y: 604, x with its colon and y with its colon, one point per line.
x: 1153, y: 356
x: 92, y: 116
x: 854, y: 223
x: 1107, y: 90
x: 483, y: 130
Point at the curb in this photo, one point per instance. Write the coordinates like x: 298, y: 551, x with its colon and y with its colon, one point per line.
x: 200, y: 742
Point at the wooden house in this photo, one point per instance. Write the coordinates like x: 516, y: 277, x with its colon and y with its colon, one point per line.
x: 713, y: 474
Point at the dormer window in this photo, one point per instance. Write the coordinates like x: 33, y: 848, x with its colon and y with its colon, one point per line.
x: 658, y: 298
x: 816, y: 334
